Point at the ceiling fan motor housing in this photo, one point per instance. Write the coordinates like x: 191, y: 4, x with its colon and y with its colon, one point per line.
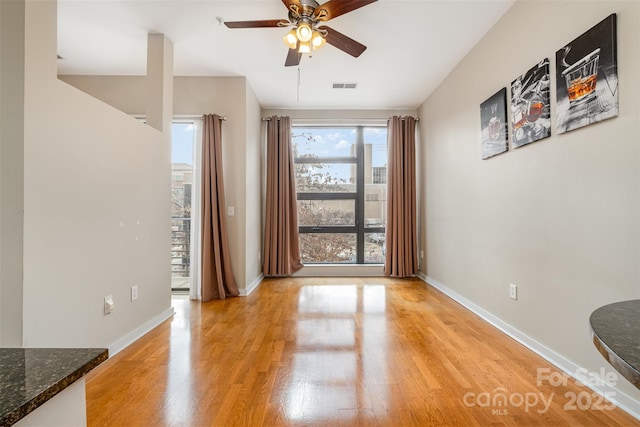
x: 305, y: 15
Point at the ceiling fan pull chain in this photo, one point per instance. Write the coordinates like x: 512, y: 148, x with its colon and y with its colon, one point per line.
x: 298, y: 88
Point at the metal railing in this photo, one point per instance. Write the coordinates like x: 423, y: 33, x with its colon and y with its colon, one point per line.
x: 180, y: 246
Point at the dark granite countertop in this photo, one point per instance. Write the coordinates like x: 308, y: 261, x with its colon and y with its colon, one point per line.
x: 29, y: 377
x: 616, y: 334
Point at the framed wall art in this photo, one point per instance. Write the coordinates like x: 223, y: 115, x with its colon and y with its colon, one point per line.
x: 587, y: 78
x: 493, y: 125
x: 530, y: 106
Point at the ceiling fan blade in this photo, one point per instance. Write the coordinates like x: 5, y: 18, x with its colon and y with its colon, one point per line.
x: 289, y: 3
x: 257, y: 24
x: 333, y: 8
x: 293, y: 58
x: 343, y: 42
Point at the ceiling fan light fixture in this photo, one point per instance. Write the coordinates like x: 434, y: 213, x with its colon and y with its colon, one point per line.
x: 304, y: 32
x: 291, y: 40
x: 305, y: 47
x: 317, y: 41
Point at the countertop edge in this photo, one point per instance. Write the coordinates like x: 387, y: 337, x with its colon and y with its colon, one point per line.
x: 31, y: 405
x: 615, y: 329
x: 618, y: 363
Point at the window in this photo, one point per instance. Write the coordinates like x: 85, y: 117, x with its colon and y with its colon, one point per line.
x: 342, y: 193
x: 182, y: 155
x: 380, y: 175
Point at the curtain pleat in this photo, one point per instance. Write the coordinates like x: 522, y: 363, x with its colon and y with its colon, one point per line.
x: 281, y: 246
x: 401, y: 259
x: 217, y: 273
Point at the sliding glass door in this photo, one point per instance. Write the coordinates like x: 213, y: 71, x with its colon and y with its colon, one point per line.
x: 184, y: 145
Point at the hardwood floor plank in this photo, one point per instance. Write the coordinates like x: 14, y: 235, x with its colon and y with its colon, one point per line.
x: 331, y: 352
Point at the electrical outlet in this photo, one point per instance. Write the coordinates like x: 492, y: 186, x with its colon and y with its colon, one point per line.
x: 421, y: 254
x: 513, y: 291
x: 108, y: 304
x: 231, y: 211
x: 134, y: 292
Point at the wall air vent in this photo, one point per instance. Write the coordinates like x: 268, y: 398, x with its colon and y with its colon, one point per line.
x: 345, y: 85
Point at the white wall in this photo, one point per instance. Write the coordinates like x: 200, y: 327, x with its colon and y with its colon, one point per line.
x: 159, y: 84
x: 11, y: 170
x: 97, y: 207
x: 241, y: 144
x: 230, y: 97
x: 560, y: 217
x: 126, y: 93
x: 253, y: 195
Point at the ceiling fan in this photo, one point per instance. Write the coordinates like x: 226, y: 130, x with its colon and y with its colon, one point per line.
x: 309, y: 33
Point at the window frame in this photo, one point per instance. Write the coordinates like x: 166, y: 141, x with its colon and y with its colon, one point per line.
x: 359, y: 229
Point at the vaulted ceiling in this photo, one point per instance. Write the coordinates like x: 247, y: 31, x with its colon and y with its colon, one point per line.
x: 411, y: 46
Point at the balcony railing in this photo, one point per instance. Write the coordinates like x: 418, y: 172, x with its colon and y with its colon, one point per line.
x: 180, y: 246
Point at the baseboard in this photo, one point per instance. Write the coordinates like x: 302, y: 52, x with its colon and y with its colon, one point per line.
x: 340, y: 270
x: 621, y: 399
x: 252, y: 286
x: 138, y: 332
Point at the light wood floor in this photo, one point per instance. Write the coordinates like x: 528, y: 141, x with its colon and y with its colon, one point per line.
x: 324, y: 352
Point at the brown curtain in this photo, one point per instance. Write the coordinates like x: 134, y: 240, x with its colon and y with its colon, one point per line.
x: 281, y: 246
x: 401, y: 258
x: 217, y: 274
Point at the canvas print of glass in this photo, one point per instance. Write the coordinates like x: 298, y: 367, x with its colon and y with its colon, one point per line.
x: 587, y: 78
x: 493, y: 124
x: 530, y: 112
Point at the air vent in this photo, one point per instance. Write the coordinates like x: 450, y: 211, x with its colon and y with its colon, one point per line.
x: 345, y: 85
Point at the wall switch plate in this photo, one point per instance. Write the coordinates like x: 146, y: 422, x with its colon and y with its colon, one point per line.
x: 513, y: 291
x: 231, y: 211
x: 134, y: 292
x: 108, y: 304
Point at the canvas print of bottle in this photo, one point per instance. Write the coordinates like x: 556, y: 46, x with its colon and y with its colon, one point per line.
x: 493, y: 124
x: 530, y: 112
x: 587, y: 78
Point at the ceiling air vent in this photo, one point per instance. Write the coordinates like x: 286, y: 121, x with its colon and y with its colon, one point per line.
x: 345, y: 85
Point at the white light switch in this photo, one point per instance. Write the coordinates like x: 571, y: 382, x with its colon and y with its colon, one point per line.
x: 231, y: 211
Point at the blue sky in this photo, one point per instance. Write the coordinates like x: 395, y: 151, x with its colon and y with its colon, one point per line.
x: 182, y: 136
x: 338, y: 141
x: 325, y: 142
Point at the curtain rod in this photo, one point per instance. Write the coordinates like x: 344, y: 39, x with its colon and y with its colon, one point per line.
x: 266, y: 119
x: 190, y: 116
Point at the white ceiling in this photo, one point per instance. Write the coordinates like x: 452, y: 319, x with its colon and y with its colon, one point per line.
x: 412, y: 46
